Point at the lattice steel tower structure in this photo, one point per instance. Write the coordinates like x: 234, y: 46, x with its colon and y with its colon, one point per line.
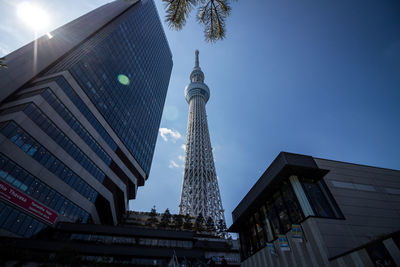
x: 200, y: 191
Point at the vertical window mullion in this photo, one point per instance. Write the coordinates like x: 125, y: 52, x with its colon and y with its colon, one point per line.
x: 301, y: 196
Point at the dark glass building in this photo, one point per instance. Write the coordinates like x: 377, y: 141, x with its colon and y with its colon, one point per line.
x: 79, y: 118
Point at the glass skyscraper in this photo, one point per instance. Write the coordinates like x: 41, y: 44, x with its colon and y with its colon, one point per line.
x: 79, y: 123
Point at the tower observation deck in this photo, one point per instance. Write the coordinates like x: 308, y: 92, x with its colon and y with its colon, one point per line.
x: 200, y: 191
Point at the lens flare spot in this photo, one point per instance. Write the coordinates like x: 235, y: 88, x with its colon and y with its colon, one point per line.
x: 123, y: 79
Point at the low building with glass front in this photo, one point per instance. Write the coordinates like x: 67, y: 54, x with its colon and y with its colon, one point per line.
x: 306, y: 211
x: 72, y: 244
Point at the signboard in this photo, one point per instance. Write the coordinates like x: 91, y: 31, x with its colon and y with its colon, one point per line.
x: 14, y: 196
x: 297, y: 233
x: 271, y: 249
x: 283, y: 243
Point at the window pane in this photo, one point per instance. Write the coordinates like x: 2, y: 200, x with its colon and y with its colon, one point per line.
x: 254, y: 239
x: 10, y: 219
x: 317, y: 199
x: 259, y: 229
x: 4, y: 212
x: 273, y: 218
x: 293, y: 206
x: 265, y: 224
x: 282, y: 212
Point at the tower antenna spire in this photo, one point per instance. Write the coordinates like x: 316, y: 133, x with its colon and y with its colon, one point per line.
x: 196, y: 62
x: 200, y: 190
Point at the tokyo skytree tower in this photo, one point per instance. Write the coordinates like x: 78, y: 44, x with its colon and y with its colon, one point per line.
x: 200, y: 191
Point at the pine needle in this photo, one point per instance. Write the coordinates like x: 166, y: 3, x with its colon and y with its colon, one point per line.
x: 211, y: 13
x: 177, y: 12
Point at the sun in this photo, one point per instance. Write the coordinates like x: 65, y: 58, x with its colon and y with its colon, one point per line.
x: 33, y: 15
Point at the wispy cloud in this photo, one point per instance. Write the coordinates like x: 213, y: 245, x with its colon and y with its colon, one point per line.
x: 3, y: 50
x: 169, y: 133
x: 173, y: 164
x: 182, y: 158
x: 183, y: 146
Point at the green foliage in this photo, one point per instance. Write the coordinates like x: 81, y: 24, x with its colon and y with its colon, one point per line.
x: 199, y: 223
x: 211, y: 13
x: 210, y: 227
x: 165, y: 219
x: 213, y: 16
x: 178, y: 221
x: 152, y: 220
x: 187, y: 224
x: 177, y: 12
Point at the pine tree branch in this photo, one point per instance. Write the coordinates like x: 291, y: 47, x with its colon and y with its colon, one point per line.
x: 212, y: 14
x: 177, y: 12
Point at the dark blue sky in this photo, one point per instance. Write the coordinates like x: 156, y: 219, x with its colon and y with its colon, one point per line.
x: 320, y: 78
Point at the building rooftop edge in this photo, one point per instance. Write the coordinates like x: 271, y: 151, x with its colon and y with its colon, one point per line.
x: 285, y: 160
x: 15, y: 76
x: 283, y: 163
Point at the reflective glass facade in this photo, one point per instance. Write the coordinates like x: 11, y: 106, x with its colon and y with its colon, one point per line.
x: 126, y: 74
x: 32, y: 148
x: 18, y: 222
x: 13, y: 174
x: 75, y: 125
x: 63, y: 141
x: 100, y: 101
x: 72, y: 95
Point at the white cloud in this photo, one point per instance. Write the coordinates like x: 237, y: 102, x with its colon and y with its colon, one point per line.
x: 3, y: 50
x: 174, y: 135
x: 182, y: 158
x: 173, y: 164
x: 183, y: 146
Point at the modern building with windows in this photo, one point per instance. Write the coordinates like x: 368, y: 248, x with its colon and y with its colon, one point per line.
x: 306, y: 211
x: 79, y: 118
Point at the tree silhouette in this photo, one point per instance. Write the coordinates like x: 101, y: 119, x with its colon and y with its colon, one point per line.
x: 152, y: 220
x: 199, y: 223
x: 178, y: 221
x: 210, y: 225
x: 211, y: 13
x: 165, y: 219
x: 187, y: 224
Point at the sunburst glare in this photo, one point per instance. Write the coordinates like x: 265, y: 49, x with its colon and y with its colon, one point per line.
x: 33, y: 15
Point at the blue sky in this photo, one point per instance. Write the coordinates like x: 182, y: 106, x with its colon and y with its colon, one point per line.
x: 320, y: 78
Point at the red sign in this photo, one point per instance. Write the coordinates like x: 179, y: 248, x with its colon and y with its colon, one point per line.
x: 21, y: 200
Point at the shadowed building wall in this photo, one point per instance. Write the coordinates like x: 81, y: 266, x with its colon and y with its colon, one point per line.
x: 349, y: 215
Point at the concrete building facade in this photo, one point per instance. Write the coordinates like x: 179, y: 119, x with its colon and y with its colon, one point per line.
x: 79, y: 118
x: 305, y: 211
